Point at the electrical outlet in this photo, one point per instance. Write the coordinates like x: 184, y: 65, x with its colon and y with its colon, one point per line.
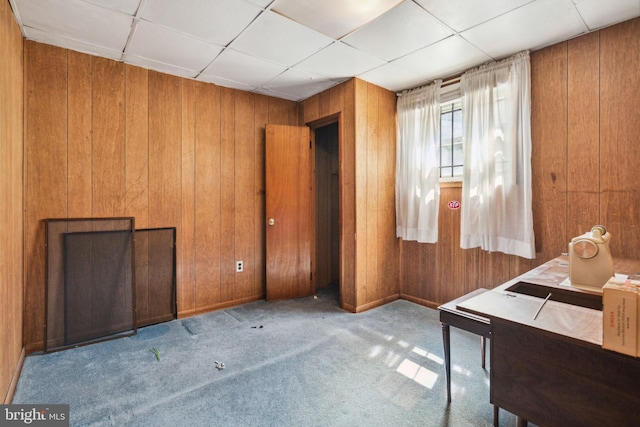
x: 239, y: 266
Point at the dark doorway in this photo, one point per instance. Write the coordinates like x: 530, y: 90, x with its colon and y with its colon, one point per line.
x: 327, y: 206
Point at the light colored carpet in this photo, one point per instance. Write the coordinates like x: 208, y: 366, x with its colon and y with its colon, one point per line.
x: 301, y: 362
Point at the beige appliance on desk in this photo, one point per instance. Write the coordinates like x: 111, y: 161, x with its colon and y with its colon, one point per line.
x: 590, y: 262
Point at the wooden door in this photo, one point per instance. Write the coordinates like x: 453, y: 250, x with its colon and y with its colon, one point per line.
x: 289, y: 212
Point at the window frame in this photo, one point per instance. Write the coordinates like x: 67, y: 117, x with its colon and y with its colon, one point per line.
x: 450, y: 107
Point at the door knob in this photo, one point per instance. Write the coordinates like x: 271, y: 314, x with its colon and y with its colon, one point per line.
x: 272, y: 221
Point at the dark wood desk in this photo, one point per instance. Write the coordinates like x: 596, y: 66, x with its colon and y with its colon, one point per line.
x: 550, y: 368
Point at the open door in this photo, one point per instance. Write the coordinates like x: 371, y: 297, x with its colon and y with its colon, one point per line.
x: 289, y: 212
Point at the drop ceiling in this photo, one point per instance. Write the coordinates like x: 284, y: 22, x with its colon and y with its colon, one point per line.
x: 293, y: 49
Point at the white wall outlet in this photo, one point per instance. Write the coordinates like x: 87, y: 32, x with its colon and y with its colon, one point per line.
x: 239, y: 266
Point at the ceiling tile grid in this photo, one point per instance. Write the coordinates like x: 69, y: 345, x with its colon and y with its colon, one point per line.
x: 293, y: 49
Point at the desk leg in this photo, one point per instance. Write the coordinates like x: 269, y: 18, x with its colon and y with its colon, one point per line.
x: 446, y: 340
x: 483, y: 346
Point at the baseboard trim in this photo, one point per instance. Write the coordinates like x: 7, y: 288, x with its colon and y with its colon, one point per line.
x: 424, y: 302
x: 377, y: 303
x: 14, y: 379
x: 219, y: 306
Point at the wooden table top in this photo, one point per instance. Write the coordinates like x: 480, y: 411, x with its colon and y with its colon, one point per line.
x: 559, y: 318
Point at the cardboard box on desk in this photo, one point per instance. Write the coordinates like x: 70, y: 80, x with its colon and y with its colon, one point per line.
x: 620, y: 305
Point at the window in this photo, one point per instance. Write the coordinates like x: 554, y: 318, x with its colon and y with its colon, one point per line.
x: 451, y: 139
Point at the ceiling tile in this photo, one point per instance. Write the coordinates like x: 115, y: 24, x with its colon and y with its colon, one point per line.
x: 402, y: 30
x: 340, y: 61
x: 129, y: 7
x: 159, y: 66
x: 393, y: 77
x: 533, y: 26
x: 79, y: 20
x: 464, y: 14
x: 237, y: 66
x: 290, y: 97
x: 293, y: 49
x: 218, y: 21
x: 597, y: 16
x: 335, y: 18
x: 454, y: 55
x: 161, y: 44
x: 226, y: 82
x: 79, y: 46
x: 280, y: 40
x: 262, y: 3
x: 298, y: 84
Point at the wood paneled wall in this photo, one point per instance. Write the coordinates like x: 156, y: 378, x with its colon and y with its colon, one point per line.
x: 585, y: 132
x: 107, y: 139
x: 369, y: 251
x: 340, y: 101
x: 11, y: 225
x: 103, y: 139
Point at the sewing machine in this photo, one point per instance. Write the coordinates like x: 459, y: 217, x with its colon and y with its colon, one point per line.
x: 590, y: 262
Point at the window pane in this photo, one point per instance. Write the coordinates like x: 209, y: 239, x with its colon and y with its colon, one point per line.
x: 445, y: 156
x: 457, y: 171
x: 458, y: 154
x: 445, y: 128
x: 457, y: 124
x: 445, y: 172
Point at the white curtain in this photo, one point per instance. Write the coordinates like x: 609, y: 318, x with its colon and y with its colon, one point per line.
x: 496, y: 213
x: 417, y: 165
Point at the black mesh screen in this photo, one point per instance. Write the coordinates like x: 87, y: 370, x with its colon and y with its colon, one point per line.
x: 155, y: 275
x: 97, y: 285
x: 89, y: 286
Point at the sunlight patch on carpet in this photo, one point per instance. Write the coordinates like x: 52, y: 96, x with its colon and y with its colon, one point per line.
x: 417, y: 373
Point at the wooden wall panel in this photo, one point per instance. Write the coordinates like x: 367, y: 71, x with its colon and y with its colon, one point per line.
x: 370, y: 153
x: 619, y: 136
x: 208, y: 159
x: 45, y: 186
x: 369, y: 261
x: 347, y: 155
x: 79, y: 128
x: 186, y: 233
x: 260, y: 120
x: 165, y: 151
x: 11, y: 197
x: 388, y: 243
x: 159, y: 148
x: 228, y: 195
x: 447, y: 274
x: 245, y: 184
x: 583, y: 135
x: 108, y: 161
x: 549, y: 153
x: 360, y: 190
x: 282, y: 112
x: 336, y: 101
x: 137, y: 145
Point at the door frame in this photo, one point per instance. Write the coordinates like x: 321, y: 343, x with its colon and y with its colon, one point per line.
x: 313, y: 125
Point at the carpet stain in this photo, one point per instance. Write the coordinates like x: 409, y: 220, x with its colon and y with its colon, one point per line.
x: 189, y: 331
